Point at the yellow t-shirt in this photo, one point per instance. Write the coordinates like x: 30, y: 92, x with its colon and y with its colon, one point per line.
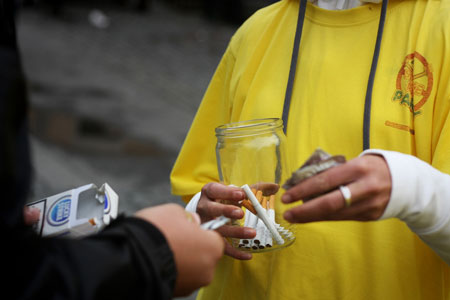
x: 410, y: 114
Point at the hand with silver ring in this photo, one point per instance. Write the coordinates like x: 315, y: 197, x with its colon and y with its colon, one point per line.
x: 356, y: 190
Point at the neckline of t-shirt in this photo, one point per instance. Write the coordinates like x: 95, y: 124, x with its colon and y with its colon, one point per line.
x: 365, y: 13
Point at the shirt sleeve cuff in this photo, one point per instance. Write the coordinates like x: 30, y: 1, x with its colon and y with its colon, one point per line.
x: 192, y: 205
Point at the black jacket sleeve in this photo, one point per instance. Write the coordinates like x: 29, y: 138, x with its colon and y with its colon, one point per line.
x: 130, y: 259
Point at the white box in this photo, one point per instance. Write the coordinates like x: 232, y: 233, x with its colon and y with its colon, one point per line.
x: 77, y: 212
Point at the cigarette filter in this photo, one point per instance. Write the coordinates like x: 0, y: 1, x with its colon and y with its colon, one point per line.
x: 248, y: 205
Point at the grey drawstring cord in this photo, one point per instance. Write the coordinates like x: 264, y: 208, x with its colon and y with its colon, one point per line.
x: 368, y: 99
x: 290, y: 84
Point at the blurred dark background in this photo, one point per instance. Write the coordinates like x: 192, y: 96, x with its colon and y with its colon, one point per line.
x: 114, y: 85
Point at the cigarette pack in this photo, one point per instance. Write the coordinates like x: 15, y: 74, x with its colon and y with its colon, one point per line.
x: 78, y: 212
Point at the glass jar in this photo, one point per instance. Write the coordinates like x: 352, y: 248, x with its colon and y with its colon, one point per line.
x: 254, y: 153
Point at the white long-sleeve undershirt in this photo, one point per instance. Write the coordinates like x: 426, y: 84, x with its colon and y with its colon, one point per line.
x: 420, y: 197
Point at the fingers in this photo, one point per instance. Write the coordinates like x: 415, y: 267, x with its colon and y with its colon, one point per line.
x: 237, y: 232
x: 209, y: 206
x: 31, y: 215
x: 327, y: 181
x: 233, y: 252
x: 268, y: 188
x: 215, y: 191
x: 366, y: 204
x: 316, y: 210
x: 210, y: 209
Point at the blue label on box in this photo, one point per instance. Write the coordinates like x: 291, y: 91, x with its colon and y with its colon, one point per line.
x: 107, y: 206
x: 59, y: 212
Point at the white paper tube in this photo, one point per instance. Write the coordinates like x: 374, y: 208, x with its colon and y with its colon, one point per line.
x: 271, y: 214
x: 259, y: 240
x: 244, y: 242
x: 262, y: 215
x: 252, y: 223
x: 252, y: 220
x: 268, y: 240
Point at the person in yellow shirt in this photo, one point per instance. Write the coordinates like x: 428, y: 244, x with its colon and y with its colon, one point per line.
x: 345, y: 76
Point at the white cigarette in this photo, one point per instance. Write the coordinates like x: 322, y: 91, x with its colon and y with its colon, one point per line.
x: 259, y: 241
x: 252, y: 220
x: 262, y: 215
x: 253, y: 223
x: 244, y: 242
x: 271, y: 215
x: 261, y: 229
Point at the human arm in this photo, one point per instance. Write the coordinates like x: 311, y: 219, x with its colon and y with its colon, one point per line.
x: 383, y: 184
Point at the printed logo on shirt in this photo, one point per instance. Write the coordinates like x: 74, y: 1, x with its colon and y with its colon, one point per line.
x: 59, y: 212
x: 414, y: 83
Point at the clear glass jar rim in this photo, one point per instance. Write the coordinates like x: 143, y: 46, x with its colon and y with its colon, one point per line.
x: 249, y: 126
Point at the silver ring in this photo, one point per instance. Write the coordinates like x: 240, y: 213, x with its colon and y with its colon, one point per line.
x: 347, y: 195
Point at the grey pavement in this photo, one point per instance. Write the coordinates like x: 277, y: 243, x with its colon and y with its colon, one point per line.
x: 114, y: 105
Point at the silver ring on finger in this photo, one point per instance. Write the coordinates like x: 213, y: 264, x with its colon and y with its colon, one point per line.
x: 346, y: 194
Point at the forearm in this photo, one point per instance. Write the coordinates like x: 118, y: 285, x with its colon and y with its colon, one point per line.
x: 420, y: 197
x: 129, y: 260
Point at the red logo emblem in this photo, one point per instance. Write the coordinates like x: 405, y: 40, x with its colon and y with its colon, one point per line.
x: 414, y: 83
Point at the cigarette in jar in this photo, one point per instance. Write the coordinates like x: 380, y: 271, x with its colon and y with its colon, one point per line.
x: 272, y: 202
x: 248, y: 205
x: 267, y: 235
x: 262, y: 215
x: 259, y: 196
x: 244, y: 242
x: 265, y: 231
x: 252, y: 223
x: 259, y: 241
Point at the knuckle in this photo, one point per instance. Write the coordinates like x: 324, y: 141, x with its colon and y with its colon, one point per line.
x: 374, y: 211
x: 362, y: 166
x: 374, y: 186
x: 206, y: 188
x: 323, y: 182
x: 201, y: 207
x: 205, y: 210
